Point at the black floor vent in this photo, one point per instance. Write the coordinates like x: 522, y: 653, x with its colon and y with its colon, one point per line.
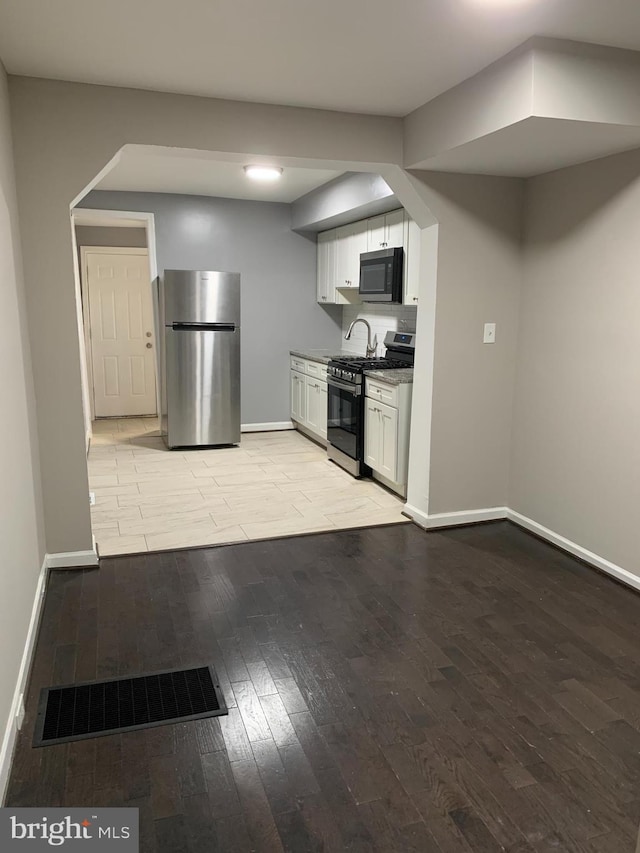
x: 96, y: 708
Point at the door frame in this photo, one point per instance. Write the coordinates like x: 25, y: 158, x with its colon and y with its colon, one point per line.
x: 86, y: 311
x: 110, y: 218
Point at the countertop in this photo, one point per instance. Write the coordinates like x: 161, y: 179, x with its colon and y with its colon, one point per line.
x: 401, y: 376
x: 324, y: 356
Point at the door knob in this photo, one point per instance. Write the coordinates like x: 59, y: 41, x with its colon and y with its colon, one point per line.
x: 148, y: 334
x: 148, y: 346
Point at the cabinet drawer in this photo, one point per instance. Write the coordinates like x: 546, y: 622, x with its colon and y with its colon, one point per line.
x: 315, y: 368
x: 297, y: 363
x: 382, y: 392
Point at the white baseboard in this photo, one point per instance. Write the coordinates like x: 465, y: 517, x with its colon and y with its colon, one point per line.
x: 565, y: 544
x: 272, y: 427
x: 472, y: 516
x: 452, y: 519
x: 11, y: 731
x: 73, y: 559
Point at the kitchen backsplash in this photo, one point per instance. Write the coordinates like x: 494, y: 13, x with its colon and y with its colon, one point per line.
x: 382, y: 318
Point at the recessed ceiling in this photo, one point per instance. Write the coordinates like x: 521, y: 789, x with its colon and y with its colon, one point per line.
x: 141, y: 170
x: 361, y: 56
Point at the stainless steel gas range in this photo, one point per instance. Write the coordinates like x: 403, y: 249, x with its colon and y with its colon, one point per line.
x: 345, y: 414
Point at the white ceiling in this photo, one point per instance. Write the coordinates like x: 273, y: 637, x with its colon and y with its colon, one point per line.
x: 534, y: 146
x: 360, y: 55
x: 140, y: 170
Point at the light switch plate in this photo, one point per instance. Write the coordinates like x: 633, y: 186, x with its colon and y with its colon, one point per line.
x: 489, y: 333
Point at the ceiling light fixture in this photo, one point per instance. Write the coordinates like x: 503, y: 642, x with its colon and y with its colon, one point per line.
x: 263, y: 173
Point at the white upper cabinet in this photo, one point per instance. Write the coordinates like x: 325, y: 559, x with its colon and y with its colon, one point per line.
x: 375, y: 233
x: 327, y: 258
x: 412, y: 264
x: 386, y: 231
x: 395, y: 229
x: 351, y: 242
x: 340, y: 248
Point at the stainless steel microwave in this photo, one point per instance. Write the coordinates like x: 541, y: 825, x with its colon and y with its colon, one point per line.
x: 381, y: 275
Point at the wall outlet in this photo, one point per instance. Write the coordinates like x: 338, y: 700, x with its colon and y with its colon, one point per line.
x: 92, y: 498
x: 489, y: 333
x: 20, y: 712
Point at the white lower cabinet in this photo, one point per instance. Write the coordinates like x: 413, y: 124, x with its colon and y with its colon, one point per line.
x: 386, y: 432
x: 298, y: 397
x: 309, y: 397
x: 381, y: 439
x: 316, y: 400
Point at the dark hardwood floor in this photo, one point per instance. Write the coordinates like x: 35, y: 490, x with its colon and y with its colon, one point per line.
x: 389, y: 690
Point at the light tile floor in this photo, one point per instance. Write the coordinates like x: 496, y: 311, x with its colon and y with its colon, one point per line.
x: 274, y: 484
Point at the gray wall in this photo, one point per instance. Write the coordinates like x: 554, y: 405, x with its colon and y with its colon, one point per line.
x: 99, y: 235
x: 479, y: 272
x: 21, y: 518
x: 576, y: 450
x: 278, y: 269
x: 65, y: 133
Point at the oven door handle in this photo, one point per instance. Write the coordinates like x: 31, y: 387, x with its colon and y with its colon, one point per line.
x: 356, y: 390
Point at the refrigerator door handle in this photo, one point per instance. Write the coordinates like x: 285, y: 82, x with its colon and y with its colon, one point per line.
x: 204, y: 327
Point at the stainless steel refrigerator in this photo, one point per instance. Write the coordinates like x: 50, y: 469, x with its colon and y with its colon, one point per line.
x: 199, y: 314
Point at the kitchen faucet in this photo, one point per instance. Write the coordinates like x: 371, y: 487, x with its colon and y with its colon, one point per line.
x: 371, y: 348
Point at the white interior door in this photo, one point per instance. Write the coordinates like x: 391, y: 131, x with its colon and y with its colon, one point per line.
x: 122, y: 334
